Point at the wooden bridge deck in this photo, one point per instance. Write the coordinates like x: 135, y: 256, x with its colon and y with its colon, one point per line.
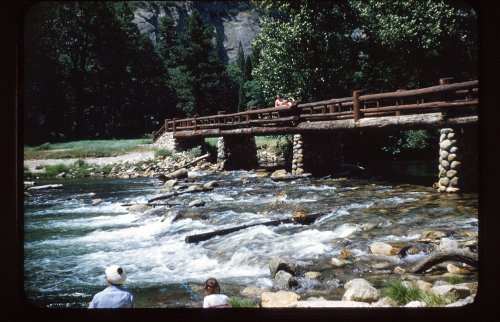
x: 436, y: 106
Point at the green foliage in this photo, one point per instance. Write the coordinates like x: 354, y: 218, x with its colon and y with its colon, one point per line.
x: 53, y: 170
x: 454, y: 279
x: 162, y: 153
x: 408, y: 140
x: 194, y: 152
x: 242, y: 302
x: 402, y: 294
x: 83, y: 149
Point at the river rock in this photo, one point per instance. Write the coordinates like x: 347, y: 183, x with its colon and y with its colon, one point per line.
x: 459, y: 291
x: 325, y: 303
x: 95, y: 202
x: 415, y: 304
x: 251, y: 291
x: 312, y: 275
x: 346, y: 253
x: 360, y: 290
x: 177, y: 174
x: 197, y: 203
x: 281, y: 264
x: 399, y: 270
x: 462, y: 302
x: 211, y: 184
x: 138, y: 208
x: 170, y: 183
x: 456, y: 270
x: 423, y: 285
x: 339, y: 262
x: 387, y: 249
x: 447, y: 244
x: 284, y: 281
x: 433, y: 234
x: 279, y: 173
x: 278, y: 299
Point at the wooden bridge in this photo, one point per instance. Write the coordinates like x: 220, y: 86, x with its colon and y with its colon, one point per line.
x: 447, y: 106
x: 441, y: 105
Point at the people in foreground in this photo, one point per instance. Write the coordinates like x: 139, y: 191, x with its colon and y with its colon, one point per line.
x: 214, y: 299
x: 114, y: 295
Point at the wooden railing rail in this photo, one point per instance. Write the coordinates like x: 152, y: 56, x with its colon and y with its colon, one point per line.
x: 455, y: 95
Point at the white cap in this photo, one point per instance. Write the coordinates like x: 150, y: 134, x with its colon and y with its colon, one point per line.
x: 115, y: 274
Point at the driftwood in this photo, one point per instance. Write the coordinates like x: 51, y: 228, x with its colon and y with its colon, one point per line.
x: 302, y: 219
x: 291, y: 177
x: 176, y: 193
x: 183, y: 171
x: 47, y: 186
x: 458, y: 255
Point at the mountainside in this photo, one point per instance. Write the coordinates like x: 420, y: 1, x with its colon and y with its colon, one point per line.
x: 231, y: 22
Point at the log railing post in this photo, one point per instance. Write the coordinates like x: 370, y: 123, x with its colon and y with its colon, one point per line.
x: 173, y: 124
x: 166, y: 125
x: 356, y: 111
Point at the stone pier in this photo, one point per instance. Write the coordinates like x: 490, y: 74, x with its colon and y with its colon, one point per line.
x: 318, y: 154
x: 234, y: 153
x: 168, y: 142
x: 458, y: 160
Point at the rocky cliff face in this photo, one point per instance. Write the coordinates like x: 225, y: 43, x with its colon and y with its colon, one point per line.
x: 231, y: 22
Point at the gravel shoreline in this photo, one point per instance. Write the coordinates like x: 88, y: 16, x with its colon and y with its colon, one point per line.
x: 132, y: 157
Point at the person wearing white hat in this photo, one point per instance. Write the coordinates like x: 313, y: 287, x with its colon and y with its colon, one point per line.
x: 114, y: 295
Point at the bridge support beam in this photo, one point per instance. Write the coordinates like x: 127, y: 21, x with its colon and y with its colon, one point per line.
x: 235, y: 153
x: 458, y: 160
x: 318, y: 154
x: 168, y: 142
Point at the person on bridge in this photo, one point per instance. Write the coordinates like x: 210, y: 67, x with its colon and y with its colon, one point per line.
x: 282, y: 102
x: 214, y: 299
x: 114, y: 295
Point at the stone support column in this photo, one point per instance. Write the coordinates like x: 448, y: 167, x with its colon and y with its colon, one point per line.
x: 457, y: 160
x: 168, y: 142
x: 239, y: 152
x: 318, y: 154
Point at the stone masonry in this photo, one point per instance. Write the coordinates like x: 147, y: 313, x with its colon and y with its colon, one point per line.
x: 316, y: 153
x: 235, y: 153
x: 168, y: 142
x: 457, y: 160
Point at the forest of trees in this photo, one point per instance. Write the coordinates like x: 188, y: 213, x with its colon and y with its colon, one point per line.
x: 89, y: 73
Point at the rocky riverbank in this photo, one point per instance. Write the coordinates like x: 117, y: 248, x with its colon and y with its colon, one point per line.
x: 359, y: 281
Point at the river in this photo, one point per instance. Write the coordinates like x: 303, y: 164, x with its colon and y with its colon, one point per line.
x: 68, y: 242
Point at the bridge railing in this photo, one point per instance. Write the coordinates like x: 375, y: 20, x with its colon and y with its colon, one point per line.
x: 416, y: 101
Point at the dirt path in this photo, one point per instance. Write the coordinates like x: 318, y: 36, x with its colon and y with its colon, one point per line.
x: 133, y: 157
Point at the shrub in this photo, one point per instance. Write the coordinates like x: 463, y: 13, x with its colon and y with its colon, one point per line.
x: 53, y: 170
x: 43, y: 147
x: 454, y: 279
x: 162, y: 153
x: 194, y: 152
x: 240, y: 302
x: 402, y: 294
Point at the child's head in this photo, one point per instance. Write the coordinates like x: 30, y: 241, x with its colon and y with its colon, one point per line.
x: 212, y: 286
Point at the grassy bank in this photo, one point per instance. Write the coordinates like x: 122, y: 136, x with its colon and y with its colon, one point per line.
x: 85, y: 149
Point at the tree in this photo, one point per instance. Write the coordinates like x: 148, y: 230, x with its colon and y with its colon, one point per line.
x: 202, y: 84
x: 410, y: 44
x: 305, y: 49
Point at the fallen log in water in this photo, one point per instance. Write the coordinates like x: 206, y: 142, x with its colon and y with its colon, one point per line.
x: 176, y: 193
x: 458, y: 255
x: 182, y: 173
x: 47, y: 186
x: 301, y: 218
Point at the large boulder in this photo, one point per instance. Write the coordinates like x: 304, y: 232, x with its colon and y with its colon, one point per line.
x: 284, y: 281
x: 360, y: 290
x: 138, y: 208
x: 278, y: 299
x: 281, y: 264
x: 458, y: 291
